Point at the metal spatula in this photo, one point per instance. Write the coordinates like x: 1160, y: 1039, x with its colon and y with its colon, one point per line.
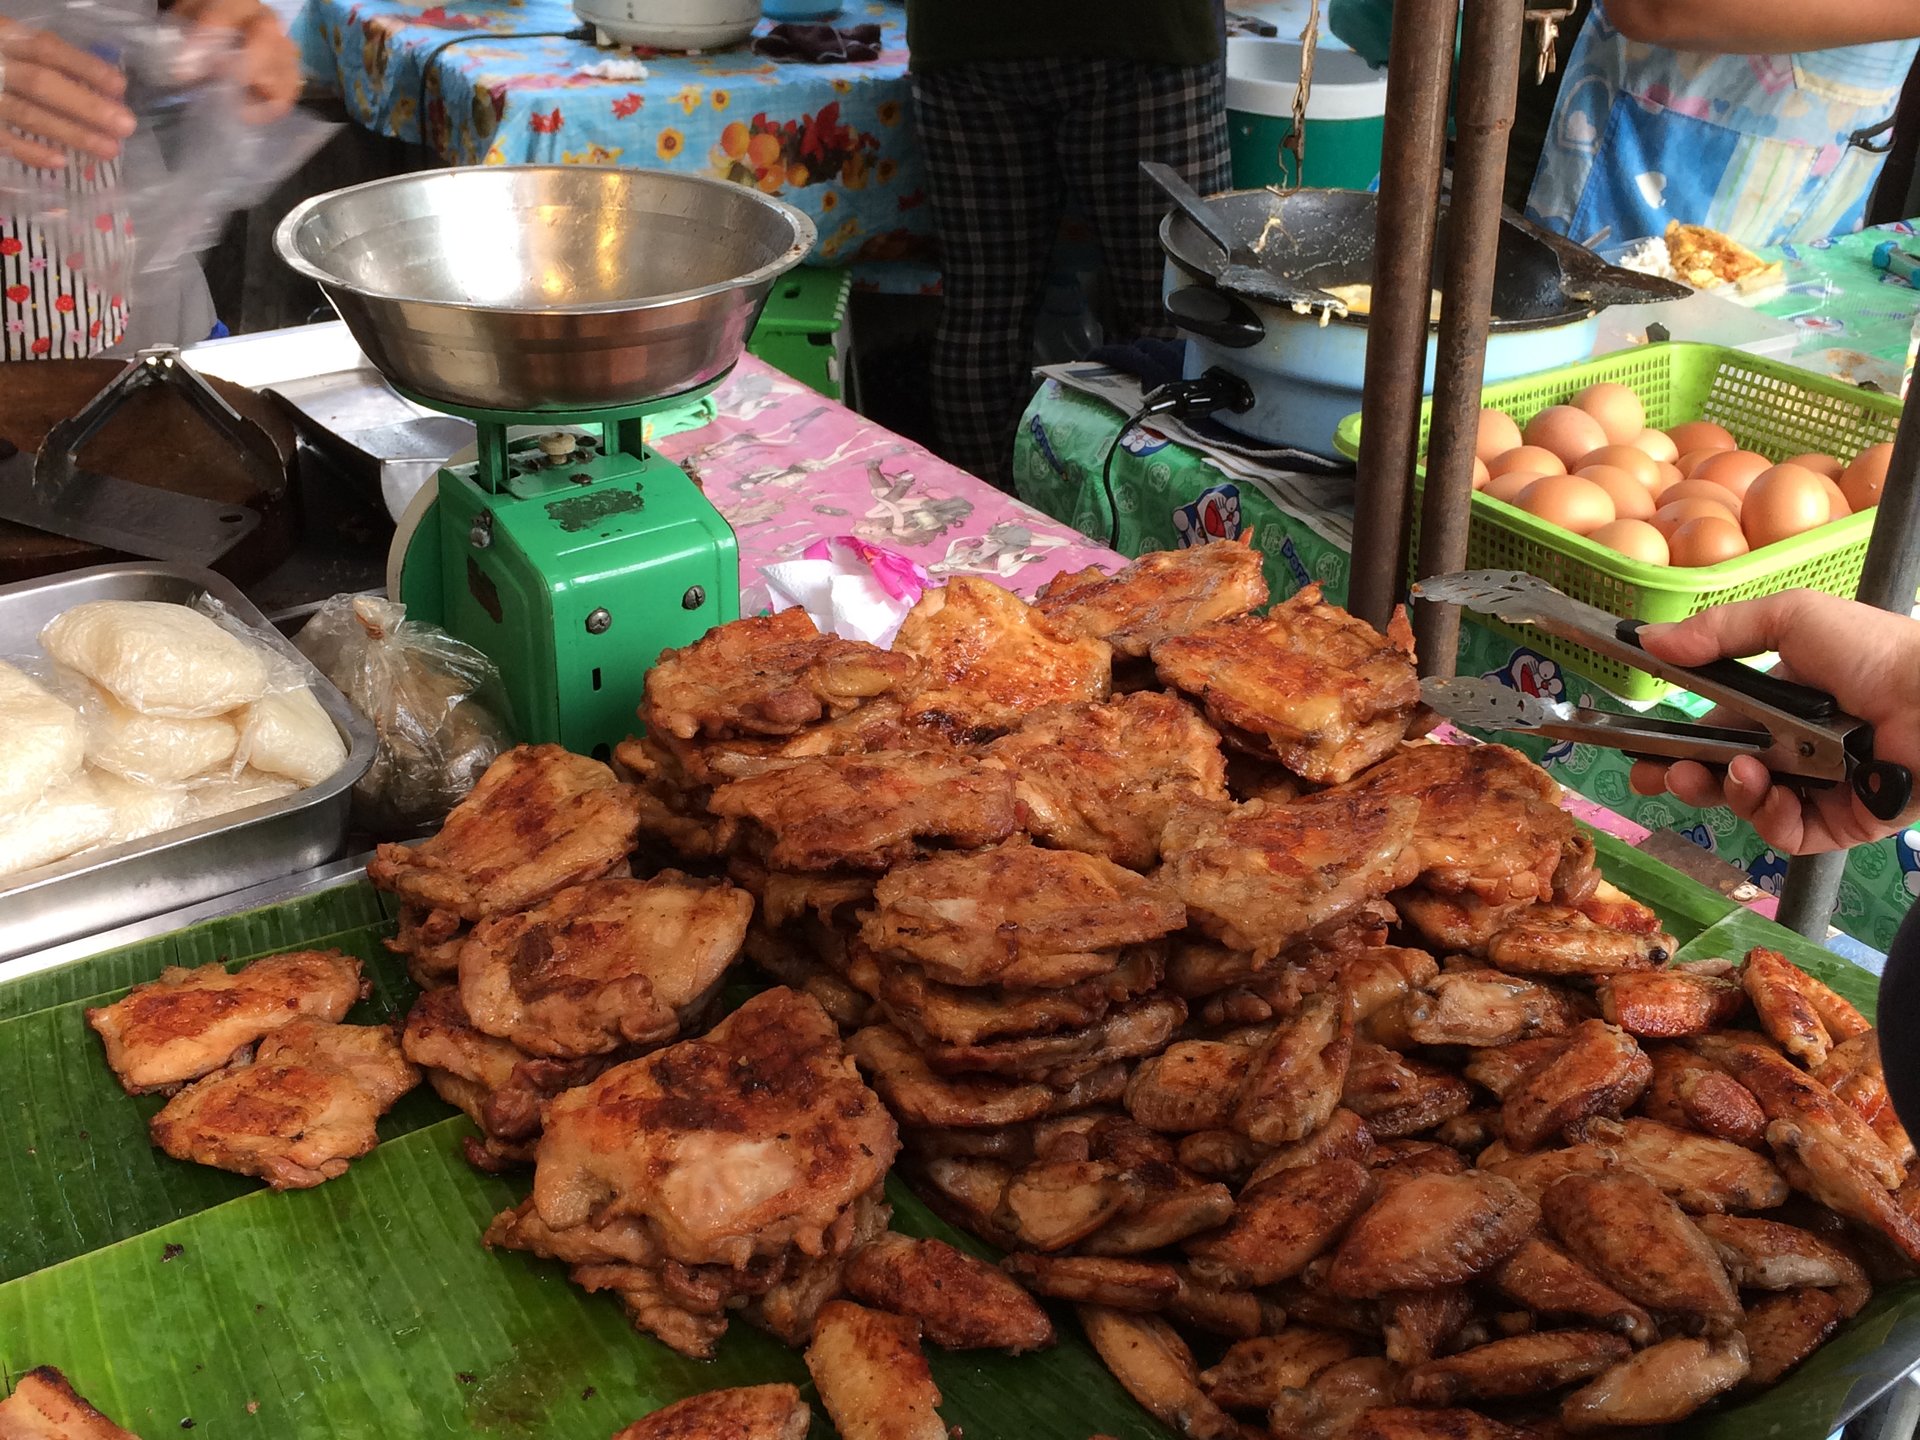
x: 1241, y: 272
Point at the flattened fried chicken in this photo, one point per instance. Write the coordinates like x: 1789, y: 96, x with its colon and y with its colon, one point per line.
x: 989, y: 660
x: 751, y: 1138
x: 936, y: 1014
x: 1016, y: 915
x: 540, y: 819
x: 601, y: 965
x: 44, y: 1406
x: 921, y: 1098
x: 189, y: 1023
x: 1308, y: 684
x: 753, y: 1412
x: 1260, y: 876
x: 767, y: 675
x: 1104, y: 779
x: 870, y: 812
x: 297, y: 1113
x: 1161, y: 594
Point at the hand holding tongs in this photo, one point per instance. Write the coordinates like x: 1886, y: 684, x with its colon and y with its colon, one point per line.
x: 1804, y: 738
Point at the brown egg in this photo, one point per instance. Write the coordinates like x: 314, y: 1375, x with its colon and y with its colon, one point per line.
x: 1498, y: 434
x: 1631, y: 499
x: 1617, y: 408
x: 1862, y: 480
x: 1785, y: 501
x: 1701, y: 435
x: 1706, y: 490
x: 1694, y: 459
x: 1635, y: 539
x: 1656, y: 443
x: 1510, y: 486
x: 1480, y: 475
x: 1837, y: 506
x: 1529, y: 458
x: 1635, y: 461
x: 1669, y: 477
x: 1706, y: 541
x: 1567, y: 431
x: 1820, y: 464
x: 1672, y: 516
x: 1569, y: 502
x: 1733, y: 470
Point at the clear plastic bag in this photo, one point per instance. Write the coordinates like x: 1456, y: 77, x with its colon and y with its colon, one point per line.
x: 435, y: 704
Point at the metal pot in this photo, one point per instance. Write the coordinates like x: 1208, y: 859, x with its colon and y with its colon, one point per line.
x: 671, y: 24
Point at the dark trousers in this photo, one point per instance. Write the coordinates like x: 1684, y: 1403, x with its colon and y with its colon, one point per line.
x: 1006, y: 144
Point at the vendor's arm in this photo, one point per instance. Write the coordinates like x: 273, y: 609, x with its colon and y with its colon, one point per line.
x: 55, y: 97
x: 270, y: 61
x: 1763, y: 27
x: 1867, y: 659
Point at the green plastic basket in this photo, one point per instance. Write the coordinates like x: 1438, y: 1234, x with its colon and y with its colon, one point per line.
x: 1772, y: 409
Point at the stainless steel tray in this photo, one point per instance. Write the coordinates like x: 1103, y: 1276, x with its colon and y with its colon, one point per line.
x: 103, y: 888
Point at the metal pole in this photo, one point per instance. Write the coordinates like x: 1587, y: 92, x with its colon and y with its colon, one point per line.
x: 1483, y: 121
x: 1412, y: 150
x: 1888, y: 580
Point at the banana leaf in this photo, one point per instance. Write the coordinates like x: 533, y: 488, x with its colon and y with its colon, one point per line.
x: 367, y: 1307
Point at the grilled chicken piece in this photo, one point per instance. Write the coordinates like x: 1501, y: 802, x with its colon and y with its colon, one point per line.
x: 1551, y: 1283
x: 1622, y: 1228
x: 1659, y: 1385
x: 189, y: 1023
x: 1767, y: 1255
x: 622, y: 1242
x: 601, y: 965
x: 1052, y: 1204
x: 1556, y: 940
x: 1104, y: 779
x: 1294, y: 1080
x: 1261, y: 876
x: 45, y: 1406
x: 1667, y: 1004
x: 1164, y: 1204
x: 1836, y: 1175
x: 1399, y: 1423
x: 296, y: 1115
x: 1854, y: 1073
x: 1161, y: 594
x: 1254, y: 1373
x: 1281, y: 1224
x: 869, y: 811
x: 1469, y: 1133
x: 1397, y: 1095
x: 1148, y: 1357
x: 1236, y: 1314
x: 967, y: 1190
x: 1095, y: 1280
x: 1490, y: 819
x: 753, y: 1412
x: 1476, y: 1007
x: 1016, y: 915
x: 1783, y: 1329
x: 1602, y: 1071
x: 1522, y: 1365
x: 872, y: 1376
x: 989, y: 660
x: 1223, y: 1155
x: 1308, y: 684
x: 1198, y: 968
x: 1376, y: 976
x: 1702, y: 1175
x: 921, y: 1098
x: 1501, y: 1068
x: 1328, y: 1405
x: 1798, y: 1011
x: 1431, y: 1231
x: 652, y: 1308
x: 540, y: 819
x: 961, y: 1303
x: 1344, y: 1137
x: 1537, y: 1172
x: 1192, y: 1085
x: 1456, y: 924
x: 430, y: 940
x: 1690, y: 1094
x: 1417, y: 1325
x: 1786, y: 1092
x: 1130, y: 1031
x: 937, y: 1014
x: 1396, y: 1161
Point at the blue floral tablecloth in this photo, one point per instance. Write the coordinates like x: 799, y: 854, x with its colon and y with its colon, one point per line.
x: 480, y: 82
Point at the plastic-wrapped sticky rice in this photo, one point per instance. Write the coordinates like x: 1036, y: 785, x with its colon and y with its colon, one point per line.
x: 70, y: 817
x: 140, y: 810
x: 158, y: 658
x: 42, y: 742
x: 155, y: 749
x: 287, y: 733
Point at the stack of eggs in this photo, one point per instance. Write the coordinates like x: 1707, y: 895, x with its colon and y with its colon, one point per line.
x: 1684, y: 496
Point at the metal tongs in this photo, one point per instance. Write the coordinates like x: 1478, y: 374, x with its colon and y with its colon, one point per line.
x: 1803, y: 737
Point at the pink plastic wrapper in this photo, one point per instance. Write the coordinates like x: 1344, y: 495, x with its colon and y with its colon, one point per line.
x: 849, y: 587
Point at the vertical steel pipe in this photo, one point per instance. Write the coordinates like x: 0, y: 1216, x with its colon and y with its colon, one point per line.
x: 1412, y: 150
x: 1888, y: 580
x: 1483, y: 121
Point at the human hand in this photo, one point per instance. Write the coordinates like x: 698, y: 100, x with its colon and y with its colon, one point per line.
x: 269, y: 61
x: 55, y: 97
x: 1867, y: 659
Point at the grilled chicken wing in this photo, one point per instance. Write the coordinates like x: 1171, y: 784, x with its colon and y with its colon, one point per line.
x: 1783, y: 1329
x: 1478, y: 1008
x: 1668, y: 1003
x: 1192, y: 1085
x: 1397, y: 1095
x: 1602, y: 1071
x: 1321, y: 691
x: 1556, y: 940
x: 1161, y: 594
x: 961, y: 1303
x: 1345, y: 1136
x: 1150, y: 1359
x: 1016, y: 915
x: 1417, y: 1325
x: 1390, y: 1422
x: 1260, y: 876
x: 921, y: 1098
x: 1855, y: 1075
x: 1690, y: 1094
x: 872, y: 1376
x: 1253, y: 1373
x: 539, y: 820
x: 1459, y: 924
x: 44, y: 1406
x: 1622, y: 1228
x: 1767, y: 1255
x: 1659, y: 1385
x: 1328, y: 1406
x: 1835, y: 1174
x: 1538, y: 1172
x: 1501, y: 1068
x: 871, y: 811
x: 1522, y: 1365
x: 753, y: 1412
x: 1282, y: 1223
x: 296, y: 1114
x: 1798, y: 1011
x: 189, y: 1023
x: 989, y: 660
x: 1295, y: 1077
x: 1786, y: 1092
x: 1703, y: 1175
x: 1431, y: 1231
x: 1551, y: 1283
x: 1096, y: 1280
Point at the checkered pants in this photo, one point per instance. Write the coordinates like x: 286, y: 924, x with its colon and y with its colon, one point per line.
x: 1006, y: 144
